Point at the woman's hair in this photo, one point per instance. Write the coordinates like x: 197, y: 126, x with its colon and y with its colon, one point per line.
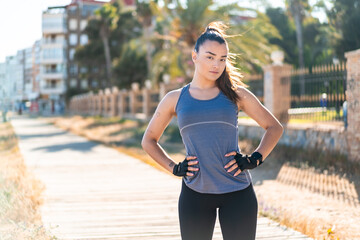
x: 230, y: 79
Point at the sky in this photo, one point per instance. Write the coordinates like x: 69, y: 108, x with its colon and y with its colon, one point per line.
x: 21, y: 28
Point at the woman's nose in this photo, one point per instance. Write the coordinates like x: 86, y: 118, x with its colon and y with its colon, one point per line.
x: 216, y: 65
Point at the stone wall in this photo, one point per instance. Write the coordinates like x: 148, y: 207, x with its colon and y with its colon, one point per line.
x: 322, y: 137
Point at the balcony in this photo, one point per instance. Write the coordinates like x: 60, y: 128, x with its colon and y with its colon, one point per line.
x: 57, y: 89
x: 53, y: 43
x: 54, y: 23
x: 53, y: 74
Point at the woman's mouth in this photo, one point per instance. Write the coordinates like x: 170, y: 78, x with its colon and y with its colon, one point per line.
x: 214, y: 72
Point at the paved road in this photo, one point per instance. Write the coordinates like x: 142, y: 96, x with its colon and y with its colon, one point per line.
x: 95, y: 192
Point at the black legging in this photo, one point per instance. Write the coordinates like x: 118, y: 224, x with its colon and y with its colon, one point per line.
x: 237, y: 214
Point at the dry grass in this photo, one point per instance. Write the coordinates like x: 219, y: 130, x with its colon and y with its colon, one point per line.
x: 20, y: 193
x: 305, y: 210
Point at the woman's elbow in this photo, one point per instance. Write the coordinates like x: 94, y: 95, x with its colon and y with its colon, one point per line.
x: 281, y: 129
x: 145, y: 142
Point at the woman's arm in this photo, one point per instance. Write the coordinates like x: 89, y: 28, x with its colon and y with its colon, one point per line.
x: 254, y: 109
x: 160, y: 120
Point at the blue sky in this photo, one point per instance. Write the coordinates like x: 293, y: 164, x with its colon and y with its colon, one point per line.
x: 20, y: 28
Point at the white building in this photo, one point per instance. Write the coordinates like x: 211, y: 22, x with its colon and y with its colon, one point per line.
x: 53, y: 57
x: 2, y: 80
x: 11, y: 68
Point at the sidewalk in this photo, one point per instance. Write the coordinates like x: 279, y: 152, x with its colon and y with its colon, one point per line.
x: 95, y: 192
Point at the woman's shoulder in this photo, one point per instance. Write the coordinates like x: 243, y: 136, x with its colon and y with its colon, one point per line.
x: 244, y: 96
x: 172, y: 97
x: 243, y: 92
x: 174, y: 94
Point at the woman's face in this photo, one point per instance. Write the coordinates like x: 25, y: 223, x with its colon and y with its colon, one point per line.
x: 210, y: 61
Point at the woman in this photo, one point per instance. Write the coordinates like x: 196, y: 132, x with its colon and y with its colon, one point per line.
x: 215, y: 174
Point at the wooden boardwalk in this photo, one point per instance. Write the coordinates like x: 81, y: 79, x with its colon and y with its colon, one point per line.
x: 95, y: 192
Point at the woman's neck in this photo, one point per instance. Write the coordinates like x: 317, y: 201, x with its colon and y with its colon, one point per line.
x: 202, y: 83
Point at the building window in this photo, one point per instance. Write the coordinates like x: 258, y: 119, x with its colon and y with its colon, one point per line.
x: 71, y: 53
x: 73, y: 39
x: 83, y: 25
x: 83, y: 70
x: 73, y: 83
x: 72, y: 10
x: 72, y: 24
x: 53, y: 84
x: 94, y: 83
x: 84, y: 84
x: 73, y: 69
x: 83, y: 39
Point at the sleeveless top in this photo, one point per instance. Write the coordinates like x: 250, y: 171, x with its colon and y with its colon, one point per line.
x: 209, y: 130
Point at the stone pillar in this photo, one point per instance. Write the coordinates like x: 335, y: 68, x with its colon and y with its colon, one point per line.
x: 353, y: 104
x: 277, y: 90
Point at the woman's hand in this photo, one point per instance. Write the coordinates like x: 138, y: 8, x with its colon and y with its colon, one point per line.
x: 183, y: 168
x: 243, y: 162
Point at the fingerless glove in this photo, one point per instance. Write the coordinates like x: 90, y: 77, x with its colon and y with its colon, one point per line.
x: 181, y: 168
x: 248, y: 162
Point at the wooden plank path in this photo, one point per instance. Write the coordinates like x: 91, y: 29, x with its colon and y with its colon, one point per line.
x: 95, y: 192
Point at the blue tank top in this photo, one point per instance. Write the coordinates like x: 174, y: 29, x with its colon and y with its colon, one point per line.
x: 209, y: 130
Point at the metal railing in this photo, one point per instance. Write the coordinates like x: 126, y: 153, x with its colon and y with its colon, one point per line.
x: 318, y: 94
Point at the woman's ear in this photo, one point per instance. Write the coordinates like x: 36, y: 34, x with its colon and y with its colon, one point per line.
x: 194, y: 56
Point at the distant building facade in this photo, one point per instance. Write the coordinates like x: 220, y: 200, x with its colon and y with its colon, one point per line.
x: 78, y: 13
x: 53, y: 58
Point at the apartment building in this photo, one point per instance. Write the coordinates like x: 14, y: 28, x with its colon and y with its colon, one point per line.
x: 35, y: 73
x: 2, y: 81
x: 78, y: 13
x: 53, y: 58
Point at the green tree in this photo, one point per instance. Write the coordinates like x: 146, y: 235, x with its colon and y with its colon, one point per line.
x: 93, y: 54
x: 188, y: 20
x: 131, y: 67
x: 287, y: 39
x: 316, y: 38
x: 344, y: 18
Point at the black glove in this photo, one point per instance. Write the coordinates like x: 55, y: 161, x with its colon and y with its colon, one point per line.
x: 248, y: 162
x: 181, y: 168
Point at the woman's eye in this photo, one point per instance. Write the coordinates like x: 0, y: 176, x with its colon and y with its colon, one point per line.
x: 223, y: 60
x: 210, y: 57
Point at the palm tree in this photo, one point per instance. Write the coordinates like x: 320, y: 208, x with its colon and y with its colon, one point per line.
x: 297, y: 9
x: 187, y: 23
x: 145, y: 16
x: 108, y: 17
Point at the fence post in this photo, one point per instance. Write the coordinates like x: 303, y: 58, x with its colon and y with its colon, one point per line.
x: 353, y: 104
x: 113, y: 101
x: 107, y: 106
x: 121, y: 103
x: 277, y: 90
x: 100, y: 101
x: 146, y: 102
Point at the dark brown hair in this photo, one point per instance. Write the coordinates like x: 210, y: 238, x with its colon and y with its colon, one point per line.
x: 230, y: 79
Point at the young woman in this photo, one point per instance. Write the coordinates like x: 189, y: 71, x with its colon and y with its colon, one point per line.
x: 215, y: 174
